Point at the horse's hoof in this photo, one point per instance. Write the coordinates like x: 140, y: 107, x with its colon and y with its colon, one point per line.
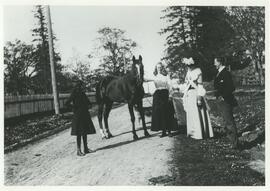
x: 110, y: 136
x: 103, y: 136
x: 146, y: 134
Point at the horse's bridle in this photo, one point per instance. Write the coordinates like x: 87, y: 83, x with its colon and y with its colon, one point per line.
x: 139, y: 74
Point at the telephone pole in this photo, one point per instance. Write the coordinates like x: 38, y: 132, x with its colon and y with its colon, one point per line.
x: 53, y: 75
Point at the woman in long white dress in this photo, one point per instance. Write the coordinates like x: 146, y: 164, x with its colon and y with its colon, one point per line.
x: 198, y: 120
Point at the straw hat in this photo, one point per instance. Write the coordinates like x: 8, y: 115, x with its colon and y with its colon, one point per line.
x: 188, y: 61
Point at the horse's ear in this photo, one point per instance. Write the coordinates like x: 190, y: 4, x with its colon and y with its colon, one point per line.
x: 133, y: 59
x: 140, y: 58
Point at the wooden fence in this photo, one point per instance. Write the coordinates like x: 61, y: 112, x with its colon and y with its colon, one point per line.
x: 16, y: 106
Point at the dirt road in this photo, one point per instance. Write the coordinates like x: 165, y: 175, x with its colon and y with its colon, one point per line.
x: 174, y: 161
x: 117, y: 161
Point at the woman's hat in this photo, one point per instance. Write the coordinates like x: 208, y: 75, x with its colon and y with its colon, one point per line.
x: 188, y: 61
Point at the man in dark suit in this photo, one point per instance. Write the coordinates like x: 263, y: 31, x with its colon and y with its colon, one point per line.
x: 224, y: 87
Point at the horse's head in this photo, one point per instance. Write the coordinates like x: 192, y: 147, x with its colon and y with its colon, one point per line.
x: 138, y: 70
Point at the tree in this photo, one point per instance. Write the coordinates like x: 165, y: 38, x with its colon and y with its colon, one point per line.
x: 19, y: 62
x: 236, y: 33
x: 180, y: 37
x: 40, y: 34
x: 249, y: 41
x: 115, y: 50
x: 79, y: 68
x: 201, y: 32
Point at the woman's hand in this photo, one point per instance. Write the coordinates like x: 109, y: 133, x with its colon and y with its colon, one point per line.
x: 199, y: 101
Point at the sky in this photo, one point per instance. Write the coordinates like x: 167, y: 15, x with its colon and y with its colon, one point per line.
x: 76, y: 28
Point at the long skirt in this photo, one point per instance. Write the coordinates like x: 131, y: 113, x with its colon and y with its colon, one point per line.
x: 180, y: 112
x: 198, y: 120
x: 162, y: 112
x: 82, y: 123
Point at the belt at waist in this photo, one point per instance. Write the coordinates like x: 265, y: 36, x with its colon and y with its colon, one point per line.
x: 161, y: 88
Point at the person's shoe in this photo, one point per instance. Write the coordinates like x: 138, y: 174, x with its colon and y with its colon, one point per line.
x: 79, y: 153
x: 163, y: 135
x: 86, y: 151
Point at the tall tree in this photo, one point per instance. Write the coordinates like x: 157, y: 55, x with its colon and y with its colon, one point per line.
x: 19, y: 62
x: 237, y: 33
x: 198, y: 31
x: 115, y: 50
x: 40, y: 34
x: 179, y: 37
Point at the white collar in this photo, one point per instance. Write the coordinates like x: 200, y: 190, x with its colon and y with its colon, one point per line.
x: 221, y: 68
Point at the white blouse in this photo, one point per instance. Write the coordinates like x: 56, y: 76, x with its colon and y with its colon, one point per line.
x: 162, y: 82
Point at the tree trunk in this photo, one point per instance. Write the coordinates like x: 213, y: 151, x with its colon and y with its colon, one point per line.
x: 183, y: 27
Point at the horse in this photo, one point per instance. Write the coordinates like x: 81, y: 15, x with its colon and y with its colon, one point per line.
x: 127, y: 88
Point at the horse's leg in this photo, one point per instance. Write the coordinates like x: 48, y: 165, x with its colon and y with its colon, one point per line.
x: 100, y: 114
x: 131, y: 112
x: 108, y: 107
x: 141, y: 111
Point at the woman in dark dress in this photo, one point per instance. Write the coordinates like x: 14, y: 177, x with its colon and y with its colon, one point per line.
x: 162, y: 111
x: 81, y: 123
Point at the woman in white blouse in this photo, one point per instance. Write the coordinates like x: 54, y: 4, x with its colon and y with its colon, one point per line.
x: 162, y: 116
x: 198, y: 120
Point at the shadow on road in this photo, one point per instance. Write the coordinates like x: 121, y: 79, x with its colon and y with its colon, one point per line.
x: 138, y: 129
x: 125, y: 142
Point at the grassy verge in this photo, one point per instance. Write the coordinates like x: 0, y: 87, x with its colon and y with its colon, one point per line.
x: 26, y: 131
x: 212, y: 162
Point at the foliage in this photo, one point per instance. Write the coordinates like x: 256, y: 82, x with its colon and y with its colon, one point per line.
x: 115, y: 50
x: 206, y: 32
x: 200, y: 32
x: 19, y: 62
x: 43, y: 72
x: 249, y: 41
x: 80, y: 68
x: 27, y: 67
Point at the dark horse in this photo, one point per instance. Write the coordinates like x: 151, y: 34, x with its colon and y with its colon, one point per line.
x: 128, y: 88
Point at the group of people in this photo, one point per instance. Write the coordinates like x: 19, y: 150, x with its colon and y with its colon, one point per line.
x: 197, y: 110
x: 198, y: 122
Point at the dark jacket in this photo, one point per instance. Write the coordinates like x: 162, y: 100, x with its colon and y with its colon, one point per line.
x: 224, y: 87
x: 81, y: 123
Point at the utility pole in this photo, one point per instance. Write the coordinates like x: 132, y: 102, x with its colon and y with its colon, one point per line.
x: 54, y: 84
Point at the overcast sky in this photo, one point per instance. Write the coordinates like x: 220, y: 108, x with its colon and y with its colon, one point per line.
x: 76, y: 28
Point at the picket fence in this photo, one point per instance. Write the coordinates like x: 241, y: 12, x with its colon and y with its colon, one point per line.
x: 16, y: 106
